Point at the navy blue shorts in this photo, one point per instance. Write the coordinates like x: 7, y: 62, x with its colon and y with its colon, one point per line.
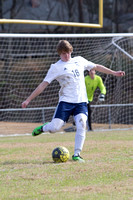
x: 64, y: 110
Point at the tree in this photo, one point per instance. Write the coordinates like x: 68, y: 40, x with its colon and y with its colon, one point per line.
x: 1, y: 14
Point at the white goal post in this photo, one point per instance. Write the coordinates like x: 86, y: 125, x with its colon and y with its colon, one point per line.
x: 26, y: 58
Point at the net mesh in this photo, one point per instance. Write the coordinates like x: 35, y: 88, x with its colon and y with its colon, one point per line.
x: 24, y: 63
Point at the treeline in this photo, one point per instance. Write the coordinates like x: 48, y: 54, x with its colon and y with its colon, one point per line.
x: 118, y: 15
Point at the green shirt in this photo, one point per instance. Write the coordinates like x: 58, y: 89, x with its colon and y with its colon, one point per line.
x: 92, y: 84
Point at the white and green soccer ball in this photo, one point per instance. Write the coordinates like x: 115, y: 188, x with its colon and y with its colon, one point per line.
x: 60, y: 154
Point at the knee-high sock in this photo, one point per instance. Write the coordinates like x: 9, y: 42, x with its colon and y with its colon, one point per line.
x: 89, y: 117
x: 54, y: 125
x: 80, y: 121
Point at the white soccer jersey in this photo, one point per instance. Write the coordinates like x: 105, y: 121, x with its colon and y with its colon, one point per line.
x: 70, y: 76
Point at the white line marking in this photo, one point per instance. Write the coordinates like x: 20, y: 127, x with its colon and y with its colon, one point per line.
x: 26, y: 134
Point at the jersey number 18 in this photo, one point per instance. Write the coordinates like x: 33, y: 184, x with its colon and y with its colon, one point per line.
x: 76, y: 73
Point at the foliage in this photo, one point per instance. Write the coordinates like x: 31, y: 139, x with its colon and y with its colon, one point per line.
x: 116, y: 12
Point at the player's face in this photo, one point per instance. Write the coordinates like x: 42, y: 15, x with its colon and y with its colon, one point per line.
x: 92, y: 73
x: 65, y: 56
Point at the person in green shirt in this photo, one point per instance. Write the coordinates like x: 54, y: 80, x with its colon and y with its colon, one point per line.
x: 92, y: 81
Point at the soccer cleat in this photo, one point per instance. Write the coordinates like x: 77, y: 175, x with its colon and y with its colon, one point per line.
x: 38, y: 130
x: 78, y: 158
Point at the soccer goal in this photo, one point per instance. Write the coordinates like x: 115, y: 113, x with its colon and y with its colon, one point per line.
x: 26, y: 58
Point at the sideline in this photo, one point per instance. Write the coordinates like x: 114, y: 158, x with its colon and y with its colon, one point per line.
x: 26, y: 134
x: 62, y: 132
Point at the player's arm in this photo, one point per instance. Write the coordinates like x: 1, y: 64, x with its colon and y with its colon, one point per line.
x: 35, y: 93
x: 106, y: 70
x: 101, y: 86
x: 102, y: 89
x: 89, y: 90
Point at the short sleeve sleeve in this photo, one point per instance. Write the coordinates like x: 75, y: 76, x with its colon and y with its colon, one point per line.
x: 51, y: 74
x: 88, y: 65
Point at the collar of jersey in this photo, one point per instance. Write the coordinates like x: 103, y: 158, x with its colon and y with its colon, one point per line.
x: 66, y: 61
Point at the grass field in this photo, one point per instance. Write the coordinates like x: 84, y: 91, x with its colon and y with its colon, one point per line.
x: 27, y: 171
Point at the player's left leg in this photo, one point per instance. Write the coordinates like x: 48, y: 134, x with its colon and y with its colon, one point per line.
x: 80, y: 121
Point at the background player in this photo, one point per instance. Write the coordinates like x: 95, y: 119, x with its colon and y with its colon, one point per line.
x: 92, y: 81
x: 69, y: 72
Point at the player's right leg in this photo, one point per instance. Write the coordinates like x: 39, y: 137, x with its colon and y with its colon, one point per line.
x: 52, y: 127
x: 57, y: 122
x: 38, y: 130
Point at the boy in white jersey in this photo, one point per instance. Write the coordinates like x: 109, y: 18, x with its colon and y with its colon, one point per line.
x: 69, y: 72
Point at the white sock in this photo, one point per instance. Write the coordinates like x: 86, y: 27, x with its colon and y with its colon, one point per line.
x: 53, y: 126
x: 79, y: 142
x: 80, y: 120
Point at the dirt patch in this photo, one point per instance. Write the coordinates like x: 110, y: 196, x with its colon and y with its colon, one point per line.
x: 8, y: 128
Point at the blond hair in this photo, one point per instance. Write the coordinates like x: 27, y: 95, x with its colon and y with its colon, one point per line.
x: 64, y: 46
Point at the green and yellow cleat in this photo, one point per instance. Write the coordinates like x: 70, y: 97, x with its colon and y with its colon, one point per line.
x: 78, y: 158
x: 38, y: 130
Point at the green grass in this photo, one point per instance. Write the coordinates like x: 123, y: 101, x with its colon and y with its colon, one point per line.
x: 27, y: 171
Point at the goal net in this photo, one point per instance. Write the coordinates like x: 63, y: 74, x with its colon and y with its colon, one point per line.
x: 26, y: 58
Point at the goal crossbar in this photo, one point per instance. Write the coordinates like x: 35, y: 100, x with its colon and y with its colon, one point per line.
x: 19, y: 35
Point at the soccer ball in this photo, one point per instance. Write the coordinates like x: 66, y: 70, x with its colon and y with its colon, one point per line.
x: 60, y: 154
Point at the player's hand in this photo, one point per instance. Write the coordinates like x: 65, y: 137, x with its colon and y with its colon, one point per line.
x: 25, y: 104
x: 102, y: 97
x: 119, y: 73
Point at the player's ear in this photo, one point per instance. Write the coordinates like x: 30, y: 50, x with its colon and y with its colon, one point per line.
x: 89, y: 72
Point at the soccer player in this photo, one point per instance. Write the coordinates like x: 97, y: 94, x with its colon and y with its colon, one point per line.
x: 69, y: 72
x: 92, y: 81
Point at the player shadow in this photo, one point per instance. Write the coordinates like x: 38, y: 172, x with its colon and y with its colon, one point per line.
x: 12, y: 162
x: 26, y: 163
